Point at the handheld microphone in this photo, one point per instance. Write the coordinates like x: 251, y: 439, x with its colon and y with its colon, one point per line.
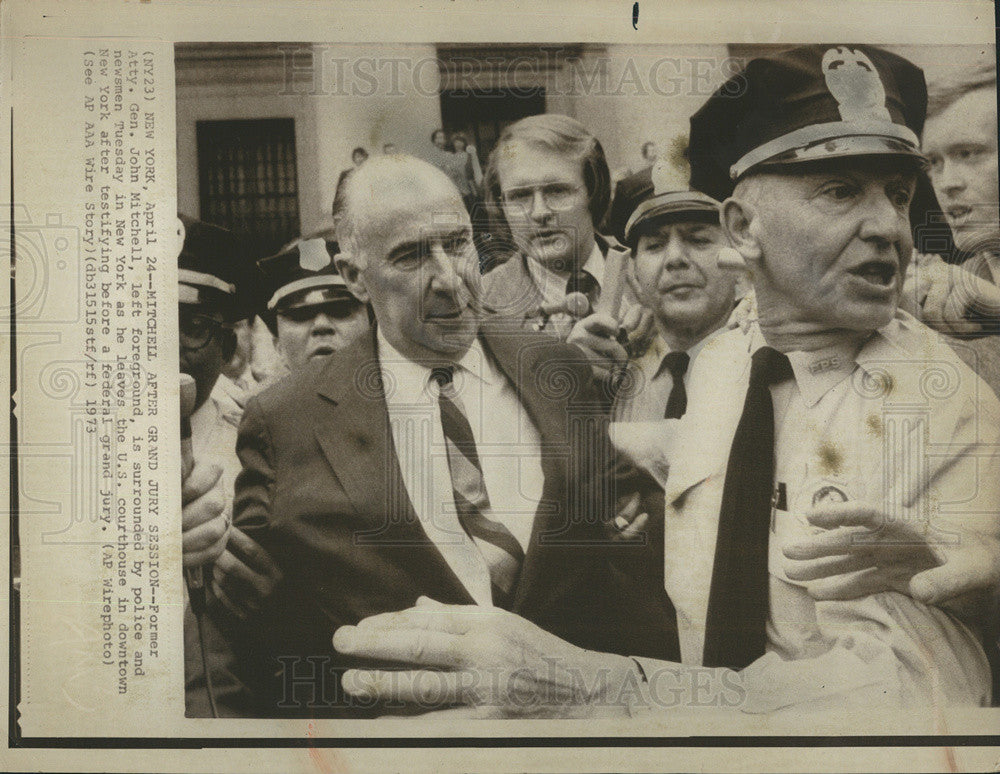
x: 194, y: 577
x: 575, y: 304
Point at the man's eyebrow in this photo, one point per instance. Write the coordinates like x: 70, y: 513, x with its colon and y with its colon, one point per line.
x: 418, y: 244
x: 461, y: 231
x: 405, y: 247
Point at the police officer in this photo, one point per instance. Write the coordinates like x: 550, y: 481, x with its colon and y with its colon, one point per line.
x: 309, y: 310
x: 814, y: 154
x: 212, y: 296
x: 676, y: 244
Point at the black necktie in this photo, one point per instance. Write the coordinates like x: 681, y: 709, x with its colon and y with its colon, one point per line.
x: 677, y: 364
x: 500, y: 549
x: 735, y: 628
x: 581, y: 281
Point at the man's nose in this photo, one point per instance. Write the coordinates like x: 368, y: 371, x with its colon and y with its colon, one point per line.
x: 951, y: 177
x: 676, y: 256
x: 322, y: 323
x: 444, y: 274
x: 540, y: 209
x: 883, y: 219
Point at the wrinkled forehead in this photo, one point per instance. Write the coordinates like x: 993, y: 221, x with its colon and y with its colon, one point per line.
x: 407, y: 212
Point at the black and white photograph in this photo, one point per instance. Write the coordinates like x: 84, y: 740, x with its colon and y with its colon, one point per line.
x: 580, y: 380
x: 485, y: 385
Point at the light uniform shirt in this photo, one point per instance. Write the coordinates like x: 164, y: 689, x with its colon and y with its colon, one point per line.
x: 214, y: 427
x: 645, y: 396
x: 507, y: 442
x: 902, y: 425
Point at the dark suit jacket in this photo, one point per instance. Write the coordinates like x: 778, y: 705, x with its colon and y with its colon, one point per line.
x: 322, y: 490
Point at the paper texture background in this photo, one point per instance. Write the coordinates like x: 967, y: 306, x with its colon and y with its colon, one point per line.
x: 70, y: 450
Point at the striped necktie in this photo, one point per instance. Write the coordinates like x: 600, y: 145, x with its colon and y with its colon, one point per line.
x: 500, y: 549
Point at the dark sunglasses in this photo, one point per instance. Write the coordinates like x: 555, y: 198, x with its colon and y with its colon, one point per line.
x: 338, y: 310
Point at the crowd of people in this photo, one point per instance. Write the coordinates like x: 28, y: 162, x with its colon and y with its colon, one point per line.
x: 722, y: 438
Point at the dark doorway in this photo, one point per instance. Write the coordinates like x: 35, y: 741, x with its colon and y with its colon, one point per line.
x: 481, y: 114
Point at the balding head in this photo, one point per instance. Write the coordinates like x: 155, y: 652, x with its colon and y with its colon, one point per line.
x: 381, y: 189
x: 408, y: 251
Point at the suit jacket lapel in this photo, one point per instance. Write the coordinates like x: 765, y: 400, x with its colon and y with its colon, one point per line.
x: 356, y: 439
x: 510, y: 293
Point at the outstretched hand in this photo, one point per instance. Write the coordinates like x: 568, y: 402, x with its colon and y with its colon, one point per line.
x: 491, y: 661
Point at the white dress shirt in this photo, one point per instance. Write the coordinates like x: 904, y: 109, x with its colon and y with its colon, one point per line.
x: 507, y: 442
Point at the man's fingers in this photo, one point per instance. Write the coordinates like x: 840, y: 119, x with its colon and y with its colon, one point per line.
x: 205, y: 535
x: 232, y: 607
x: 197, y: 558
x: 599, y: 325
x: 424, y: 688
x: 633, y: 317
x: 813, y: 569
x: 830, y: 543
x: 635, y: 527
x: 964, y: 571
x: 240, y: 580
x: 246, y: 548
x: 419, y: 647
x: 605, y: 350
x: 452, y: 619
x: 628, y: 508
x: 937, y: 298
x: 204, y: 510
x: 849, y: 586
x: 858, y: 540
x: 850, y: 514
x: 199, y: 481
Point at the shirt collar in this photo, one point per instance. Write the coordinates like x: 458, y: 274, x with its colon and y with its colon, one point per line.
x: 817, y: 371
x: 409, y: 377
x: 553, y: 285
x: 651, y: 361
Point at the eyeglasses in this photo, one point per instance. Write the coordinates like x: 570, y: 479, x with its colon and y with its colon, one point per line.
x: 557, y: 196
x: 197, y: 330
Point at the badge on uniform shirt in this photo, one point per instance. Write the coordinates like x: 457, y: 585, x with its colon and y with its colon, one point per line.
x: 819, y: 491
x: 824, y: 364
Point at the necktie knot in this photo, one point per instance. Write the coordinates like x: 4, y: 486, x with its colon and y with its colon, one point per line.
x: 443, y: 375
x: 768, y: 366
x: 581, y: 281
x: 676, y: 364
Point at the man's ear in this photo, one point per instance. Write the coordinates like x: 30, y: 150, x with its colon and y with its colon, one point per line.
x: 741, y: 222
x: 351, y: 273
